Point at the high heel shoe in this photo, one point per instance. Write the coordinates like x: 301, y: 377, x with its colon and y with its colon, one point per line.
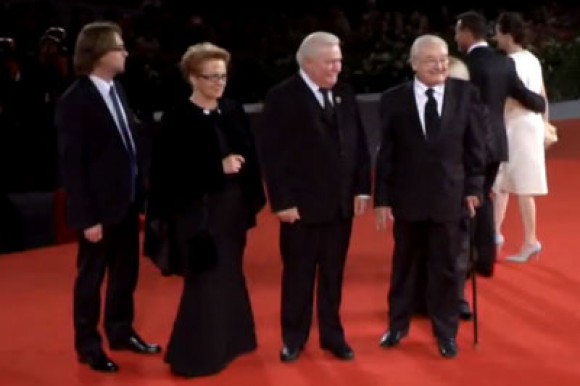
x: 527, y: 252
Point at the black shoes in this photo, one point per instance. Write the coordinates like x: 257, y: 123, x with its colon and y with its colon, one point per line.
x: 99, y: 362
x: 135, y: 344
x: 341, y: 351
x: 289, y: 354
x: 392, y: 338
x: 447, y: 347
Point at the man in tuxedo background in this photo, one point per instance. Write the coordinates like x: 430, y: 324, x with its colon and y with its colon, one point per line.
x: 429, y: 171
x: 496, y: 78
x: 317, y: 169
x: 102, y: 183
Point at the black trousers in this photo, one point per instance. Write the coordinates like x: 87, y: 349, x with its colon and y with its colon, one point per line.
x: 438, y: 244
x: 484, y: 232
x: 307, y: 249
x: 116, y: 254
x: 463, y: 264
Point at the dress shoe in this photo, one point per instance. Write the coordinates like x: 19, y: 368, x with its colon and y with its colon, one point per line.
x: 289, y: 354
x: 447, y: 347
x: 99, y: 362
x: 392, y: 338
x: 527, y: 252
x: 136, y: 344
x: 341, y: 351
x: 464, y: 311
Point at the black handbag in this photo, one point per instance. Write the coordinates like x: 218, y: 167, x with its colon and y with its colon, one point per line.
x: 202, y: 249
x: 157, y: 246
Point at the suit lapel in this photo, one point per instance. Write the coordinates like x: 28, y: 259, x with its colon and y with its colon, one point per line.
x: 99, y: 103
x: 449, y: 105
x: 310, y: 103
x: 103, y: 110
x: 308, y: 95
x: 339, y: 110
x: 130, y: 118
x: 412, y: 105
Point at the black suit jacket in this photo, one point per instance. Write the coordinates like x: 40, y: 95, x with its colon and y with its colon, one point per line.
x: 95, y: 166
x: 302, y: 164
x: 496, y: 78
x: 424, y: 179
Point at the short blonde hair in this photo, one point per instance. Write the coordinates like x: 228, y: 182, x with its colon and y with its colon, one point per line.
x: 458, y: 69
x: 197, y: 54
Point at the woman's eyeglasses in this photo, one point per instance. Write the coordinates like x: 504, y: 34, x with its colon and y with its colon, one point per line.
x: 214, y: 77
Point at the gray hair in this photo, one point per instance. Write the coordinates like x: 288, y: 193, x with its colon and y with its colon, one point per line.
x: 312, y: 42
x: 425, y: 40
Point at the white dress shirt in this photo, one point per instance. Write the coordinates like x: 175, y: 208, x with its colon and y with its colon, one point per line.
x: 316, y: 89
x: 104, y: 88
x: 421, y: 98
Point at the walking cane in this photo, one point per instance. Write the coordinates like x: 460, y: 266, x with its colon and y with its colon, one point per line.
x: 473, y: 281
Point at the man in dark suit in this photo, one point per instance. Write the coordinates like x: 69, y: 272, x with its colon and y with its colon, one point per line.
x: 102, y: 184
x: 429, y: 171
x: 496, y: 78
x: 317, y: 170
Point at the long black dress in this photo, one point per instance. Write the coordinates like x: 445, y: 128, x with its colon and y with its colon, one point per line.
x: 214, y: 322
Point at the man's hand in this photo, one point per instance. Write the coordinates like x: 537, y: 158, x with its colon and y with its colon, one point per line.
x: 94, y: 234
x: 232, y: 164
x: 472, y: 204
x: 360, y: 204
x: 289, y: 215
x: 382, y: 214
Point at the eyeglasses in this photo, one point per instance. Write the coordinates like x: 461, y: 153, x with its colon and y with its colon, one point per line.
x: 432, y: 62
x: 119, y: 47
x: 214, y: 77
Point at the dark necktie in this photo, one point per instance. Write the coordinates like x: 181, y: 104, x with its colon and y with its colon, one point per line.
x: 121, y: 121
x: 432, y: 119
x: 330, y: 118
x: 126, y: 134
x: 327, y: 105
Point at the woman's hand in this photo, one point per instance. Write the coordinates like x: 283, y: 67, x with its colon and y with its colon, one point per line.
x: 232, y: 164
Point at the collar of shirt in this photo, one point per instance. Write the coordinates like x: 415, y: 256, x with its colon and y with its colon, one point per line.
x: 419, y: 89
x: 314, y: 88
x: 438, y: 91
x: 476, y: 45
x: 102, y: 85
x: 104, y: 88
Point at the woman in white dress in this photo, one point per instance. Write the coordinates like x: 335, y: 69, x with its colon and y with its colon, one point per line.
x: 524, y: 175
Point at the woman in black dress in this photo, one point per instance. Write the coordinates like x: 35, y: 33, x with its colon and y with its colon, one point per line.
x: 205, y: 178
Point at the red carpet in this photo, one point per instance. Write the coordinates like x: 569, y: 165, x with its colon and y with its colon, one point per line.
x: 529, y: 314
